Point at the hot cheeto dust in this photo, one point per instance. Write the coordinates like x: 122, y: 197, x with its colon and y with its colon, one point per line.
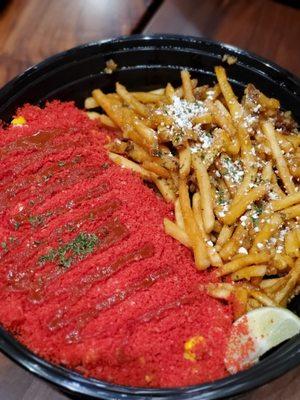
x: 88, y: 278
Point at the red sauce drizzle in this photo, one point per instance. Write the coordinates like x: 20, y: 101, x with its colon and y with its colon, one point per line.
x: 108, y: 234
x: 37, y: 178
x: 85, y: 317
x: 37, y: 141
x: 100, y: 274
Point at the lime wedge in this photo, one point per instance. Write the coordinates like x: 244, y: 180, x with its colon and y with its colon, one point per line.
x: 255, y: 333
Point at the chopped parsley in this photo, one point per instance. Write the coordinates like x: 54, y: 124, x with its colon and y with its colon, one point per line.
x: 78, y: 248
x: 105, y: 165
x: 258, y: 208
x: 220, y: 197
x: 157, y: 153
x: 3, y: 245
x: 16, y: 225
x: 35, y: 220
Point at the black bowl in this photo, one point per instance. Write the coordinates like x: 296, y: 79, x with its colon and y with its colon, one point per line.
x: 148, y: 62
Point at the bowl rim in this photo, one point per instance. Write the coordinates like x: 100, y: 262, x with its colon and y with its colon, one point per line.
x: 145, y: 38
x: 72, y: 381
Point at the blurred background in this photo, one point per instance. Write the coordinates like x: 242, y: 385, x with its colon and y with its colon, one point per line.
x: 31, y: 30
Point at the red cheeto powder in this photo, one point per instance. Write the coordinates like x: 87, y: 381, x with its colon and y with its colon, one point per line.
x: 88, y: 278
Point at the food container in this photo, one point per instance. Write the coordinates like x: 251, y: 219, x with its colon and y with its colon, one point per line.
x: 145, y: 63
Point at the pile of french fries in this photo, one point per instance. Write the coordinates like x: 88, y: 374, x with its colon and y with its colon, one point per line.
x: 232, y: 170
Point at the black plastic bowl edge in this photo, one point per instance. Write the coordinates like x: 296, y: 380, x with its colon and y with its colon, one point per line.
x: 277, y: 363
x: 74, y: 383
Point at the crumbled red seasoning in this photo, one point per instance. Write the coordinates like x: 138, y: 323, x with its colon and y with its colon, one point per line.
x: 240, y: 347
x: 88, y: 278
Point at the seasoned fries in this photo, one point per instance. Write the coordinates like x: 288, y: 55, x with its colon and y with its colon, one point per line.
x: 232, y: 170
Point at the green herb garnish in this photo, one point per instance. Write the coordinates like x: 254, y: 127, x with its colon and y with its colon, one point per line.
x: 35, y: 220
x: 78, y: 248
x: 258, y: 208
x: 16, y: 225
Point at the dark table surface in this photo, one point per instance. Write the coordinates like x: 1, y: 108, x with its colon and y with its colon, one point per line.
x: 31, y: 30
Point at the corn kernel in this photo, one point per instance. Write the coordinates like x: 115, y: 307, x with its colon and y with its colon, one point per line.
x: 18, y: 121
x: 189, y: 345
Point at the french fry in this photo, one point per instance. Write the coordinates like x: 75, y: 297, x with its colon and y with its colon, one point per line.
x: 282, y: 261
x: 215, y: 149
x: 198, y: 244
x: 147, y: 97
x: 203, y: 119
x: 165, y: 187
x: 159, y: 91
x: 243, y: 261
x: 185, y: 160
x: 228, y: 179
x: 267, y: 172
x: 93, y: 115
x: 287, y: 201
x: 291, y: 212
x: 243, y: 189
x: 268, y: 284
x: 187, y: 86
x: 238, y: 209
x: 224, y: 236
x: 276, y: 188
x: 221, y: 291
x: 138, y: 153
x: 252, y: 304
x: 217, y: 226
x: 291, y: 244
x: 292, y: 281
x: 284, y: 173
x: 285, y: 145
x: 104, y: 119
x: 178, y: 215
x: 205, y: 194
x: 117, y: 146
x: 268, y: 102
x: 240, y: 303
x: 147, y: 133
x: 169, y: 92
x: 234, y: 106
x: 213, y: 255
x: 213, y: 93
x: 90, y: 103
x: 267, y: 230
x: 294, y: 139
x: 166, y: 159
x: 262, y: 298
x: 125, y: 163
x: 179, y: 90
x: 130, y: 100
x: 249, y: 272
x: 156, y: 168
x: 231, y: 246
x: 223, y: 119
x: 176, y: 232
x: 111, y: 110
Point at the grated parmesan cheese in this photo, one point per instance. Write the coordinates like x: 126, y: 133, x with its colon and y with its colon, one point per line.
x: 182, y: 112
x: 233, y: 168
x: 242, y: 250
